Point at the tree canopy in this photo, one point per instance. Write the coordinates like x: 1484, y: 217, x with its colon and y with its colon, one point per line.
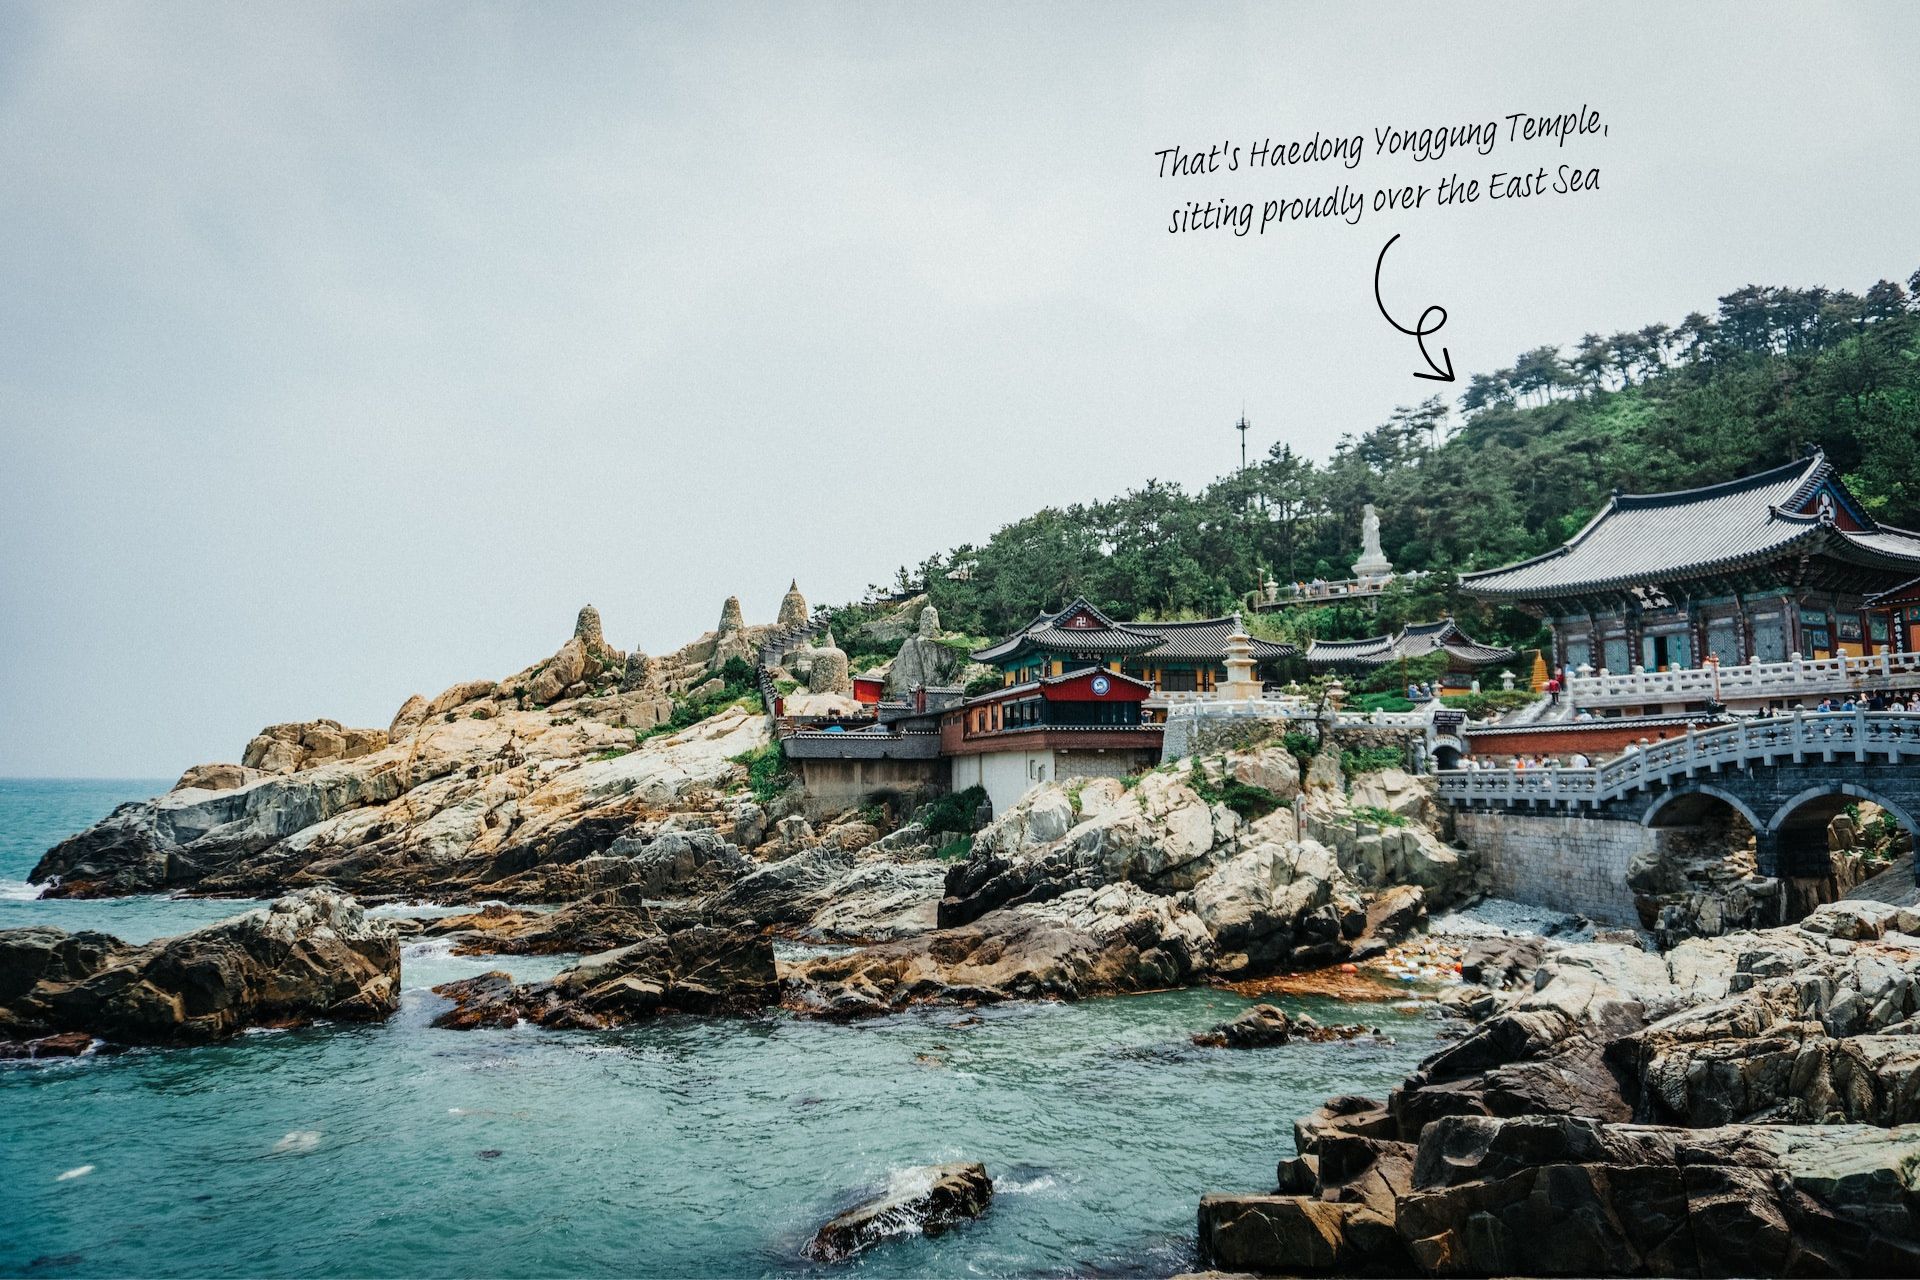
x: 1532, y: 453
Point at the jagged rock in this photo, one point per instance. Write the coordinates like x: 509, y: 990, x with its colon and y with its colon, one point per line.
x: 411, y: 715
x: 692, y: 970
x: 1272, y: 768
x: 217, y: 777
x: 1086, y: 942
x: 606, y: 920
x: 1323, y: 771
x: 1258, y: 1027
x: 880, y: 901
x: 309, y: 955
x: 459, y: 695
x: 923, y: 660
x: 789, y: 891
x: 1275, y: 905
x: 928, y: 1200
x: 459, y: 808
x: 641, y: 673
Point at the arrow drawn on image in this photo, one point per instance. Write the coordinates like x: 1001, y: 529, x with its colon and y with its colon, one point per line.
x: 1443, y: 369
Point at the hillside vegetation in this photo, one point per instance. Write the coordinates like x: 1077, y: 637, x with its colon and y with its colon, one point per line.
x: 1531, y: 454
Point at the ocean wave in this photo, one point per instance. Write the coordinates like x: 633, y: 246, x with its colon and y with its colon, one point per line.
x: 297, y: 1141
x: 71, y: 1174
x: 19, y: 891
x: 1014, y: 1186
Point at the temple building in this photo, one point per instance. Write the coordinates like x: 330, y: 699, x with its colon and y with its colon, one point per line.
x: 1780, y: 563
x: 1466, y: 657
x: 1169, y: 657
x: 1085, y: 723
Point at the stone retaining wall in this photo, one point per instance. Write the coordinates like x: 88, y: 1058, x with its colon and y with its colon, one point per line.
x: 1549, y: 860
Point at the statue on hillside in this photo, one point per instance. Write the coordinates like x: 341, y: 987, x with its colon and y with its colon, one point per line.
x: 1372, y: 563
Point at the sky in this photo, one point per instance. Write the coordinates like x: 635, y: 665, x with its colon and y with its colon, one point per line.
x: 346, y: 350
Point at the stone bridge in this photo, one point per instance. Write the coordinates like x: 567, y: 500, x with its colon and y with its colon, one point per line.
x: 1566, y: 837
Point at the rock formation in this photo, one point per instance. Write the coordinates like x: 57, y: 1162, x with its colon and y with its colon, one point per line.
x: 461, y: 806
x: 731, y: 639
x: 309, y: 955
x: 288, y: 748
x: 926, y: 1200
x: 1100, y: 887
x: 1740, y: 1105
x: 693, y: 969
x: 793, y: 608
x: 923, y: 660
x: 828, y: 670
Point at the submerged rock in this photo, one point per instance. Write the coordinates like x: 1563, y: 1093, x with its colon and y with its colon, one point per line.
x: 1262, y: 1025
x: 923, y: 1201
x: 309, y: 955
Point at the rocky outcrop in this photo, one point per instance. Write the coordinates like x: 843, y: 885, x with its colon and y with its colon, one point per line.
x: 601, y: 922
x: 461, y: 808
x: 690, y: 970
x: 924, y: 1201
x: 1741, y: 1105
x: 923, y: 660
x: 286, y: 748
x: 1085, y: 942
x: 217, y: 777
x: 313, y: 954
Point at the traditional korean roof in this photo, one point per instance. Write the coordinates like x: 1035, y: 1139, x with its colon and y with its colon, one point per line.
x: 1204, y: 640
x: 1415, y: 640
x: 1081, y: 628
x: 1907, y: 592
x: 1637, y: 539
x: 1078, y: 628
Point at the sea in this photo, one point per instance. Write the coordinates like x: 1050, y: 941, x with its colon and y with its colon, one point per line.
x: 684, y: 1147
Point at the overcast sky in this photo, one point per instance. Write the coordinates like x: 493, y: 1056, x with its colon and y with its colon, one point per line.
x: 344, y: 355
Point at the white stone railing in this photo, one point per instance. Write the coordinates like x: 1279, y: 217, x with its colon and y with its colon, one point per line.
x: 1828, y: 736
x: 1794, y: 678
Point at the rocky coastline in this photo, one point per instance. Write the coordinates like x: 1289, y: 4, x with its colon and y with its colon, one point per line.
x: 1741, y: 1105
x: 1736, y: 1104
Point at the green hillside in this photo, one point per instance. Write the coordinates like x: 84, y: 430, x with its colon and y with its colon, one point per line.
x: 1536, y: 449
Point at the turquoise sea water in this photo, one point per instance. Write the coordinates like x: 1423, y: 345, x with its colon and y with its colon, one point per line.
x: 687, y: 1147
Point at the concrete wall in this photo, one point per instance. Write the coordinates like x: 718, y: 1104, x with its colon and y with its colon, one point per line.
x: 1006, y: 775
x: 1567, y: 864
x: 837, y: 785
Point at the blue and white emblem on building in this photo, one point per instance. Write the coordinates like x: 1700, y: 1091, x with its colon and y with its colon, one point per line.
x: 1101, y: 684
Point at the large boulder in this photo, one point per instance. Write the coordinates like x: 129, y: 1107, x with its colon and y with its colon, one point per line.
x: 312, y: 954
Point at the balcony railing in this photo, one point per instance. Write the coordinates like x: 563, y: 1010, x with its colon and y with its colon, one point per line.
x: 1796, y: 677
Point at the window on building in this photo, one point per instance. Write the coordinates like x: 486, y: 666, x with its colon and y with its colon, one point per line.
x: 1176, y: 680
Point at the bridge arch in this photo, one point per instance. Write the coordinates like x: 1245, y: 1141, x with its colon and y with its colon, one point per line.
x: 1840, y: 794
x: 1688, y: 805
x: 1796, y: 835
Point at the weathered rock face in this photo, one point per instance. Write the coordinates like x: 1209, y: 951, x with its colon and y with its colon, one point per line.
x: 1086, y: 942
x: 461, y: 807
x: 217, y: 777
x: 691, y: 970
x: 1522, y: 1149
x: 284, y: 748
x: 1257, y: 1028
x: 309, y: 955
x: 923, y: 660
x: 926, y: 1201
x: 602, y: 922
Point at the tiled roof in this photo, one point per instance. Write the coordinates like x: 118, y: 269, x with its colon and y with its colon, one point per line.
x: 1107, y: 636
x: 1170, y: 641
x: 1415, y: 640
x: 1649, y: 538
x: 1203, y: 640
